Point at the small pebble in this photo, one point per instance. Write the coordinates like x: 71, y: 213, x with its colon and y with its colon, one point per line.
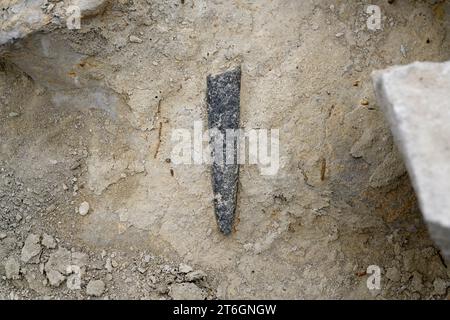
x: 95, y: 288
x: 12, y: 268
x: 184, y: 268
x: 135, y: 39
x: 84, y: 208
x: 48, y: 241
x: 364, y: 102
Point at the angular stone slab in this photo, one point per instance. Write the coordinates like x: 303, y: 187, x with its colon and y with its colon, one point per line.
x: 223, y: 99
x: 19, y: 18
x: 416, y: 101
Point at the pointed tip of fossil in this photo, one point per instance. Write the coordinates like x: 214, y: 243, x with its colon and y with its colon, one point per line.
x: 226, y: 230
x: 225, y: 222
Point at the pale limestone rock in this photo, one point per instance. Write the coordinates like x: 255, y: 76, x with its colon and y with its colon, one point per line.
x: 12, y: 268
x: 48, y: 241
x: 184, y: 268
x: 95, y: 288
x: 31, y: 248
x: 416, y: 101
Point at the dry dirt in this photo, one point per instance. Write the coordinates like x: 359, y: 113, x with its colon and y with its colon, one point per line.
x: 80, y: 112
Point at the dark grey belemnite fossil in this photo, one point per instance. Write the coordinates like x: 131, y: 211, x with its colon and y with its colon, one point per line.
x: 223, y: 98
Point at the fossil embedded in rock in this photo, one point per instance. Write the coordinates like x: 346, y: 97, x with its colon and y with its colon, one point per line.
x: 223, y: 97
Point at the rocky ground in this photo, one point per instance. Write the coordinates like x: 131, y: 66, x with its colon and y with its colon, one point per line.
x: 92, y: 207
x: 36, y: 264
